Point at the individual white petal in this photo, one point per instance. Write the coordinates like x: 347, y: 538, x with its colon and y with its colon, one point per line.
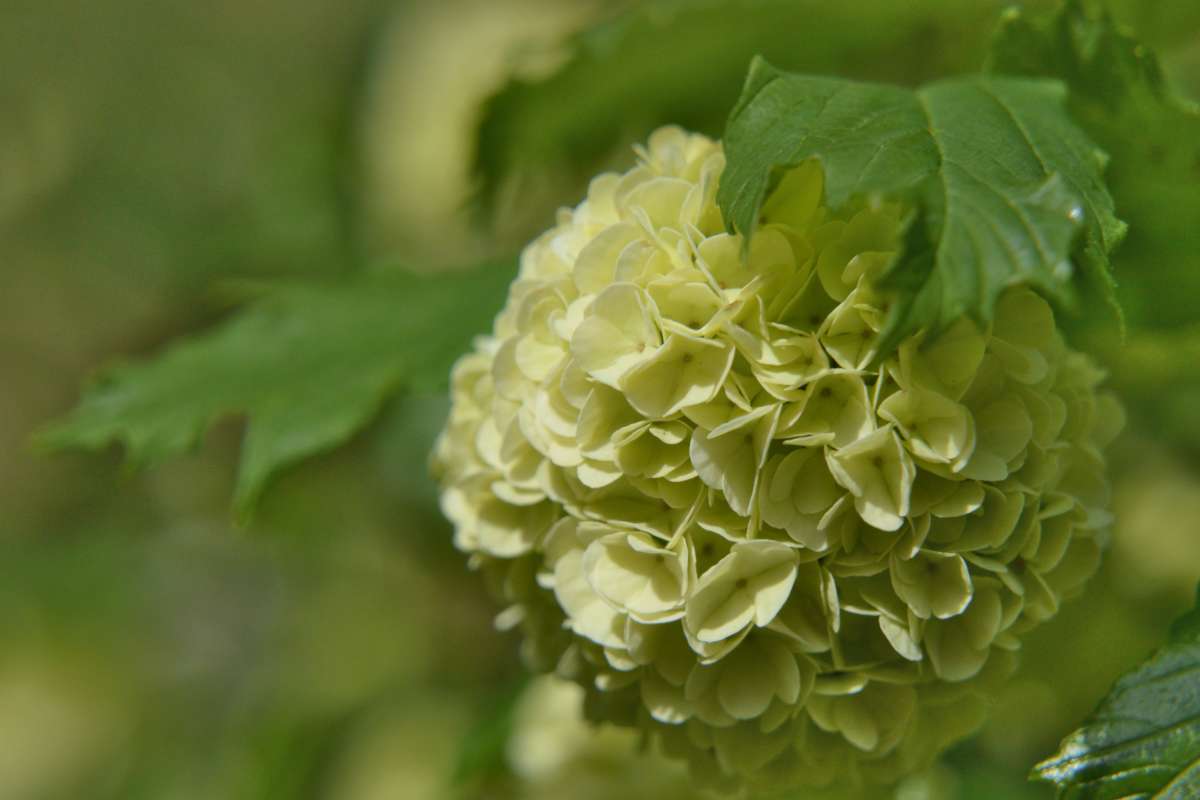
x: 933, y: 584
x: 934, y: 427
x: 685, y: 371
x: 638, y: 576
x: 878, y: 471
x: 749, y: 585
x: 836, y: 407
x: 596, y: 265
x: 617, y: 333
x: 730, y: 458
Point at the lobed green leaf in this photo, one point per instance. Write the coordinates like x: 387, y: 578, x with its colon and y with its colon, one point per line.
x: 1121, y: 97
x: 1001, y: 178
x: 308, y: 365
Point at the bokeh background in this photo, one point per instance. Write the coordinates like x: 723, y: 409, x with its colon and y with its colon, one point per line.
x: 156, y: 154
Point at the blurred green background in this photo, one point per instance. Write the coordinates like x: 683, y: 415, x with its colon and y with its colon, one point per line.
x: 156, y: 156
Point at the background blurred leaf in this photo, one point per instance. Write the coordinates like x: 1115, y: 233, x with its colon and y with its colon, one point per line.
x: 482, y: 754
x: 1144, y: 739
x: 684, y: 61
x: 309, y: 365
x: 1001, y: 176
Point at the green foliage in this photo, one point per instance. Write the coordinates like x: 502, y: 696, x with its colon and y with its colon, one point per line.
x: 309, y: 365
x: 1120, y: 96
x: 481, y: 756
x: 1144, y: 739
x: 684, y: 61
x: 1001, y: 177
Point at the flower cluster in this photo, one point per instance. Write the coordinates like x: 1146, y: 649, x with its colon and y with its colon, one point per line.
x: 680, y: 461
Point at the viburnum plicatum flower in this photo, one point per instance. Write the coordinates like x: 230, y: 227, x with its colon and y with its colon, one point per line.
x: 679, y: 461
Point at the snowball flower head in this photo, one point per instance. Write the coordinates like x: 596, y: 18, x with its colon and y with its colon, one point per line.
x: 703, y: 496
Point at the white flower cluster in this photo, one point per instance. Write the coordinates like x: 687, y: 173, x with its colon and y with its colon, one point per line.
x: 678, y: 461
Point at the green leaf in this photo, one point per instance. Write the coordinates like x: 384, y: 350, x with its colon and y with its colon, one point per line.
x: 481, y: 754
x: 1144, y: 739
x: 1120, y: 96
x: 684, y: 61
x: 308, y: 365
x: 1000, y: 176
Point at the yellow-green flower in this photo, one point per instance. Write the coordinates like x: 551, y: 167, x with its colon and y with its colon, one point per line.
x: 705, y: 496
